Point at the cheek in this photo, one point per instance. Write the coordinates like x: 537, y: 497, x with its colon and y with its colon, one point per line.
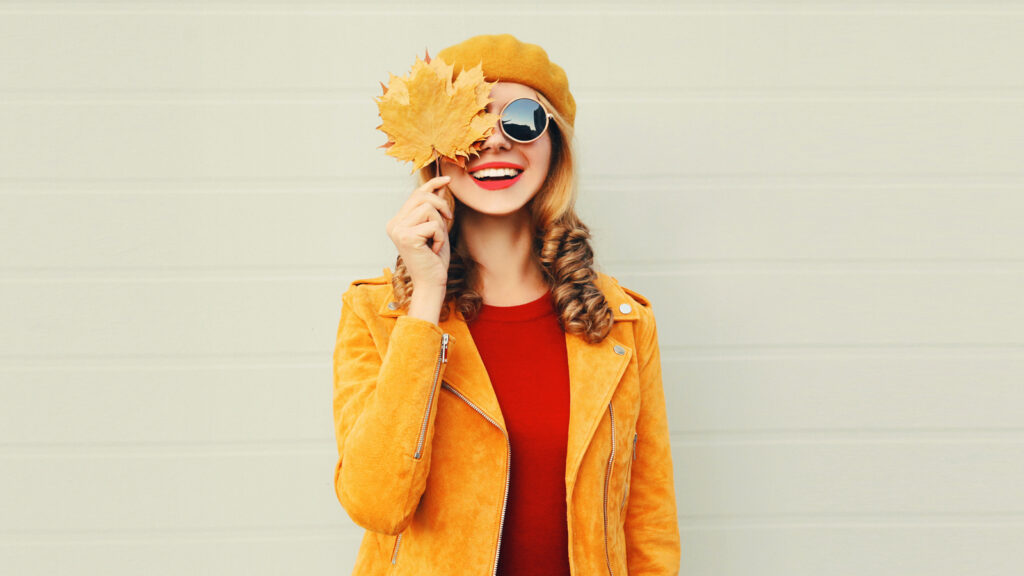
x: 542, y: 157
x: 453, y: 170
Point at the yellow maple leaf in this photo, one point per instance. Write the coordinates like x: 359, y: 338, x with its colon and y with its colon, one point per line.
x: 427, y: 116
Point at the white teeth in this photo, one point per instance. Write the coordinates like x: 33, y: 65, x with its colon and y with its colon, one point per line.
x: 495, y: 172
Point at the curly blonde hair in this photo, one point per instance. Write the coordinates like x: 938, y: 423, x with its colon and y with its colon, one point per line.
x: 561, y: 249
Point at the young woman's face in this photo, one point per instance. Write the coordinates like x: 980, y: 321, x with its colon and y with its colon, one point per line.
x: 498, y: 198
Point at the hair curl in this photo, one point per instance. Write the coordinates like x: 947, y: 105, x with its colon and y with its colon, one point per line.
x: 561, y: 249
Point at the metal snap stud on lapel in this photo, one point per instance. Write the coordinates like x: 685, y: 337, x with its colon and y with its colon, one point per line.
x: 392, y: 305
x: 625, y: 308
x: 619, y: 350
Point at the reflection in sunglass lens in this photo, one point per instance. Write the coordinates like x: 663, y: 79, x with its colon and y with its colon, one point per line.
x: 524, y: 120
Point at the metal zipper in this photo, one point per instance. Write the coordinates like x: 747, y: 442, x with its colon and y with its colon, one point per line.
x: 607, y: 478
x: 442, y: 358
x: 508, y: 469
x: 394, y: 554
x: 629, y: 471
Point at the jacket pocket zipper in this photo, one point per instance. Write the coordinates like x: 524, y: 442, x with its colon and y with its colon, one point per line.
x: 629, y: 472
x: 442, y: 358
x: 398, y: 541
x: 607, y: 479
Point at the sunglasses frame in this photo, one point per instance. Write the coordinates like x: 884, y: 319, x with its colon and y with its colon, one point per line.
x: 548, y: 118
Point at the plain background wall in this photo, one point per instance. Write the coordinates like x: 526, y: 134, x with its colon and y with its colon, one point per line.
x: 823, y: 200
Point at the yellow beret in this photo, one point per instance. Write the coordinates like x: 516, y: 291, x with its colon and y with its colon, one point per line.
x: 505, y: 58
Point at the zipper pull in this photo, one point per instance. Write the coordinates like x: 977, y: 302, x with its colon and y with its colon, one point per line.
x: 634, y: 445
x: 444, y: 348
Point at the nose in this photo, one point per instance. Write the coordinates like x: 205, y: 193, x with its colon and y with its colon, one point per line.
x: 497, y: 139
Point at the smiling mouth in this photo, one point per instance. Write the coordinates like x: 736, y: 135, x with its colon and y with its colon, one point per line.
x: 496, y: 178
x: 495, y: 174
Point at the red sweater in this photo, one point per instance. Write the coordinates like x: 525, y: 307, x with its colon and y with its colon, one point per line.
x: 523, y: 349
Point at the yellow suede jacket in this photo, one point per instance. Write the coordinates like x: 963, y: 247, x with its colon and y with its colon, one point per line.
x: 424, y: 457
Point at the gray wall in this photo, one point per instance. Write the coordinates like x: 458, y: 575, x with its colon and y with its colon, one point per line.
x: 823, y: 201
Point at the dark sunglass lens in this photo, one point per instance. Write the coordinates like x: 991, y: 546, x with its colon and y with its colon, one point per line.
x: 524, y: 120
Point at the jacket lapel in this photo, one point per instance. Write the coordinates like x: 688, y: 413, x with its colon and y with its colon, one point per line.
x: 466, y: 371
x: 594, y: 373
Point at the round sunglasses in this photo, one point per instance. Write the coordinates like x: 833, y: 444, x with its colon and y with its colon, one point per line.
x: 524, y: 120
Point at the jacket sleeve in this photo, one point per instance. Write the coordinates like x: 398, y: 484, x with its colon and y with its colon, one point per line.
x: 651, y: 525
x: 384, y: 412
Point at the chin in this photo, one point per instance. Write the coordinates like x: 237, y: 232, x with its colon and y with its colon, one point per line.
x: 495, y: 208
x: 494, y: 202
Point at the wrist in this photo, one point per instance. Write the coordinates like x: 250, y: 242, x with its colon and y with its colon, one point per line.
x: 429, y: 291
x: 426, y: 310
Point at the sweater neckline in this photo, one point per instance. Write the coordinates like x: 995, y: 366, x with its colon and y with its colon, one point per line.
x: 542, y: 306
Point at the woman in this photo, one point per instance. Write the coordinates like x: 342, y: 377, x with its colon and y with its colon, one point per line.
x: 507, y: 415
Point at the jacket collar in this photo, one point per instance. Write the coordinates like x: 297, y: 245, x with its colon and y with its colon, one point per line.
x: 594, y: 369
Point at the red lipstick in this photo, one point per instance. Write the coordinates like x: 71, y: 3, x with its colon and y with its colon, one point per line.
x: 496, y: 184
x: 495, y: 165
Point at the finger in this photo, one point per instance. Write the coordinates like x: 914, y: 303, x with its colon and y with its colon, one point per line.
x: 441, y: 192
x: 440, y: 237
x: 440, y: 204
x: 429, y: 197
x: 425, y: 192
x: 423, y: 213
x: 429, y: 230
x: 434, y: 183
x: 445, y: 195
x: 418, y: 231
x: 425, y: 188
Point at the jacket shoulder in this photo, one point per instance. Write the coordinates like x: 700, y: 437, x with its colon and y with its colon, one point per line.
x: 369, y: 292
x: 628, y: 293
x: 637, y: 297
x: 384, y: 278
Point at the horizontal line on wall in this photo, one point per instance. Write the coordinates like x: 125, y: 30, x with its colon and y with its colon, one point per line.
x: 853, y: 520
x: 722, y: 266
x: 344, y: 528
x: 140, y: 535
x: 43, y: 450
x: 902, y: 350
x: 617, y: 268
x: 640, y: 183
x: 668, y: 94
x: 51, y: 362
x: 59, y: 363
x: 859, y: 436
x: 327, y: 446
x: 307, y: 7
